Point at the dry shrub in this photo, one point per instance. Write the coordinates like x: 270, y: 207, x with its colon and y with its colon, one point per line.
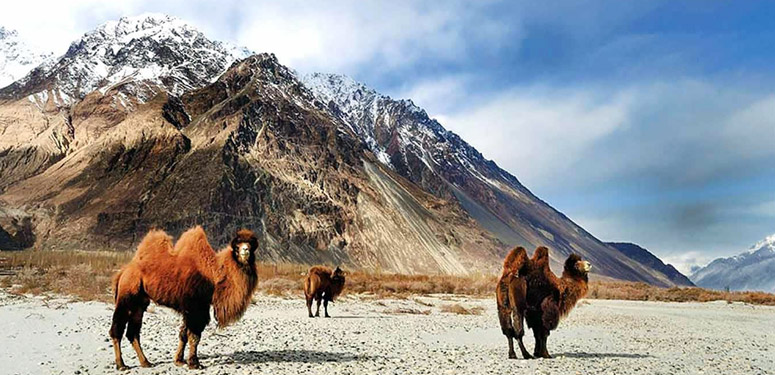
x: 407, y: 310
x: 459, y: 309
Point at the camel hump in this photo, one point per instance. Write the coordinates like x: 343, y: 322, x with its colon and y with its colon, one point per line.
x: 194, y: 242
x: 155, y: 242
x: 320, y: 270
x: 515, y: 261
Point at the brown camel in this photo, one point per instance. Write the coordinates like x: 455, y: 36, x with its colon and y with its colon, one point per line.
x: 528, y: 289
x: 189, y: 278
x: 322, y: 284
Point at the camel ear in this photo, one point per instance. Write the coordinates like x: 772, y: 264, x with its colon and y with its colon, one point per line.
x: 234, y: 244
x: 253, y: 244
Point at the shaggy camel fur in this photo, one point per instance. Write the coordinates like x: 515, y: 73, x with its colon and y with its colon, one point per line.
x: 188, y: 278
x: 527, y: 289
x: 322, y: 284
x: 550, y: 298
x: 510, y: 295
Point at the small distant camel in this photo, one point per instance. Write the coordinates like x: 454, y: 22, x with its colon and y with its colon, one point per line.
x: 322, y: 284
x: 528, y: 289
x: 189, y: 278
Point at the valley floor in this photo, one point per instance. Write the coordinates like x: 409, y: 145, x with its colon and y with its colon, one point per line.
x: 413, y: 336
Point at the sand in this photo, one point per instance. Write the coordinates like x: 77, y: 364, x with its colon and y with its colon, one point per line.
x: 365, y: 336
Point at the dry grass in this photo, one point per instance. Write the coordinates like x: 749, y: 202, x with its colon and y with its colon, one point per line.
x: 644, y: 292
x: 407, y: 310
x: 86, y: 276
x: 459, y: 309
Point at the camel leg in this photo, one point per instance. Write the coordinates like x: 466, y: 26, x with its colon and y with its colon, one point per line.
x: 193, y: 343
x: 541, y: 335
x: 317, y: 312
x: 519, y: 333
x: 180, y: 353
x: 133, y: 335
x: 309, y: 306
x: 507, y: 329
x: 120, y: 318
x: 325, y: 308
x: 196, y: 323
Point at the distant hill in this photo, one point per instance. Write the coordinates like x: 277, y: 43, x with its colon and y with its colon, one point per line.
x: 650, y: 260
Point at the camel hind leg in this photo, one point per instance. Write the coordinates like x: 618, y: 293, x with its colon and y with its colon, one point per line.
x: 309, y: 305
x: 120, y: 319
x: 126, y: 290
x: 133, y: 329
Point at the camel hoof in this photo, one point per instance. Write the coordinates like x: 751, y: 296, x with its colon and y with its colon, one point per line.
x: 512, y: 356
x: 122, y: 367
x: 180, y: 363
x: 146, y: 364
x: 328, y: 316
x: 195, y: 366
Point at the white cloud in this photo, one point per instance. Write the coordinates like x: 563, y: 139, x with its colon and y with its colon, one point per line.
x: 537, y: 133
x: 340, y: 36
x: 685, y: 262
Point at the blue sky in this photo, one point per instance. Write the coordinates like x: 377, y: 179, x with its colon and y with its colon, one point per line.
x: 651, y: 122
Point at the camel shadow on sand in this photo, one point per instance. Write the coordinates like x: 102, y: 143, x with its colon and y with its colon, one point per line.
x: 296, y: 356
x: 602, y: 355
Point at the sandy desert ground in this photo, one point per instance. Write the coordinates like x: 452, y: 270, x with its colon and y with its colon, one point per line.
x: 52, y: 335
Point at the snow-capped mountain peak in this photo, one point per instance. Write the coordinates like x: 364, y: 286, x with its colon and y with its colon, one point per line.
x: 16, y: 57
x: 753, y: 269
x: 159, y: 49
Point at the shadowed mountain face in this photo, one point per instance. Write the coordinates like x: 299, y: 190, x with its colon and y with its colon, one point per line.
x: 325, y: 168
x: 648, y: 259
x: 751, y: 270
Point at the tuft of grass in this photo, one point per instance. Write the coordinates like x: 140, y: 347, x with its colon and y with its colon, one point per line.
x: 459, y: 309
x: 407, y: 310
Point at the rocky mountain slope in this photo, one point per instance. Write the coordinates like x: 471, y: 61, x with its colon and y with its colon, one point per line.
x: 751, y: 270
x: 16, y: 57
x: 646, y: 258
x: 131, y: 129
x: 418, y: 148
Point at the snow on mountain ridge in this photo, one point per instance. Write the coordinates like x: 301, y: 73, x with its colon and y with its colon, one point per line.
x: 162, y: 50
x: 749, y: 270
x: 16, y: 57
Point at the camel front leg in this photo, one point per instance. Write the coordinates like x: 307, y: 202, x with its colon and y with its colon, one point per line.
x: 183, y: 340
x: 325, y: 308
x: 193, y: 343
x: 317, y: 312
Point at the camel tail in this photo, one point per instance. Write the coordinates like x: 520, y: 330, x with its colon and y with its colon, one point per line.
x: 116, y: 279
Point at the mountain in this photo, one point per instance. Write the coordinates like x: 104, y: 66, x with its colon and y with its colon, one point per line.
x: 324, y: 168
x: 16, y: 57
x: 154, y: 49
x: 66, y: 104
x: 751, y: 270
x: 646, y: 258
x: 418, y: 148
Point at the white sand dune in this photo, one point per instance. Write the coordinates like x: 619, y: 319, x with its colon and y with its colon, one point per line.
x: 608, y: 337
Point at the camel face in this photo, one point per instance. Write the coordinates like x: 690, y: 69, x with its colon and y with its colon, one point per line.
x: 244, y: 251
x: 583, y: 266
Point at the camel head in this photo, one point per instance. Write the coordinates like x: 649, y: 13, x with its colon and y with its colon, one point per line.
x: 243, y: 246
x: 338, y: 275
x: 576, y: 266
